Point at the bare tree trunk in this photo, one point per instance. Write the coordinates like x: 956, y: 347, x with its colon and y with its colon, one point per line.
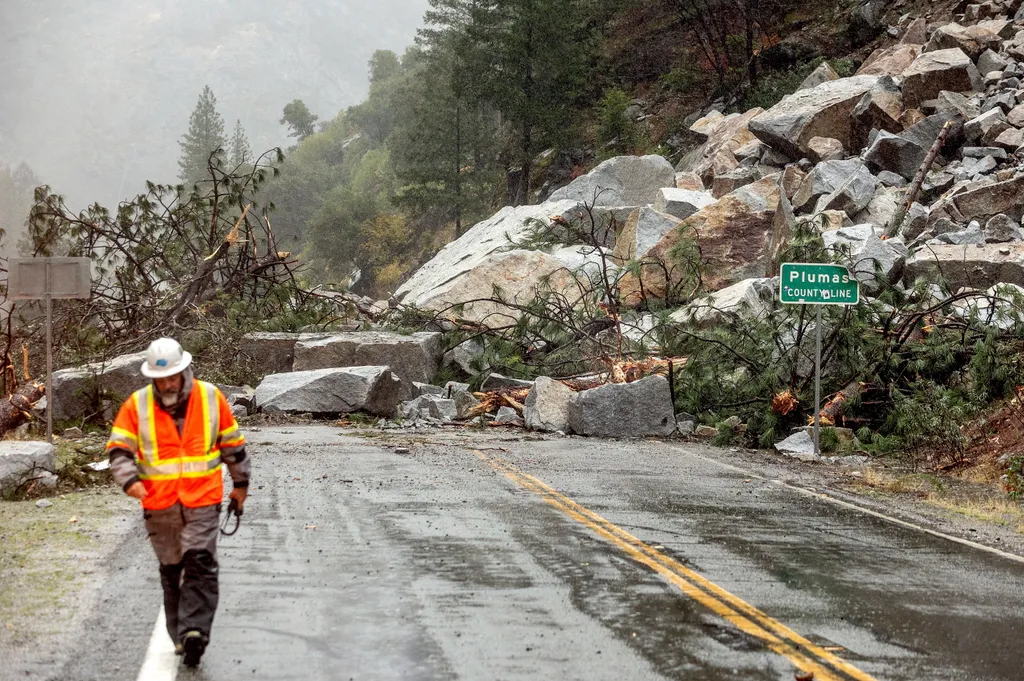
x: 834, y: 408
x: 527, y: 141
x: 458, y: 170
x: 748, y: 18
x: 524, y: 179
x: 897, y: 220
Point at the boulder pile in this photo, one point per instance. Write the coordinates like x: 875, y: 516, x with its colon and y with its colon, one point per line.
x: 911, y: 168
x: 842, y: 153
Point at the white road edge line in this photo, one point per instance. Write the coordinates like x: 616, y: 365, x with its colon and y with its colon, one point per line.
x: 845, y: 504
x: 161, y: 664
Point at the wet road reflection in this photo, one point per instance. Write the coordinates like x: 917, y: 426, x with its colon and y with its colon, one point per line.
x: 578, y: 560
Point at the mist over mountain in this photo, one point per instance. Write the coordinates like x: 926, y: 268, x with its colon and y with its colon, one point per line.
x: 96, y: 93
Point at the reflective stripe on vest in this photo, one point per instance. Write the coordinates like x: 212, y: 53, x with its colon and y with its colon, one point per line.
x: 123, y: 439
x: 150, y: 466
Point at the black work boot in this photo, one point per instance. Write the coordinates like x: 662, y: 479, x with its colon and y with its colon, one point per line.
x: 194, y: 645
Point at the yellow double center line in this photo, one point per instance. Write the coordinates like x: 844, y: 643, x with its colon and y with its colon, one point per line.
x: 776, y: 636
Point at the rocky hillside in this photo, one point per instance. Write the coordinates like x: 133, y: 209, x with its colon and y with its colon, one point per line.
x: 909, y: 172
x: 842, y: 151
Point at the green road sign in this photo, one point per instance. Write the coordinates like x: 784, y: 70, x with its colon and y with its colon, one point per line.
x: 814, y: 284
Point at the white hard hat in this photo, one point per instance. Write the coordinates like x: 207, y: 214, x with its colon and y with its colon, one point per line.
x: 165, y: 358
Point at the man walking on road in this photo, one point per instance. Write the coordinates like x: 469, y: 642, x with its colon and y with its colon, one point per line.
x: 166, y: 449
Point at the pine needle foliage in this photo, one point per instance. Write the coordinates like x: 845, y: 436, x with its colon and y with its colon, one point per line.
x: 926, y: 359
x: 199, y: 263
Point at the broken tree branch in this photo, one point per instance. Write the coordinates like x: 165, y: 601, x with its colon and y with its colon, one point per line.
x: 915, y: 188
x: 17, y: 408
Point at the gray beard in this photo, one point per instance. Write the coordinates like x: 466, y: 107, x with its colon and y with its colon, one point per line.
x: 171, y: 401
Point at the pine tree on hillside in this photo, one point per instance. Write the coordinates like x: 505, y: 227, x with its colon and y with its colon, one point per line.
x: 205, y: 135
x: 537, y: 52
x: 299, y: 118
x: 241, y: 152
x: 523, y: 58
x: 443, y: 149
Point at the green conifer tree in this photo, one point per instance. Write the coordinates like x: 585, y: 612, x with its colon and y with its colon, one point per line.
x: 205, y: 136
x: 241, y: 152
x: 523, y: 58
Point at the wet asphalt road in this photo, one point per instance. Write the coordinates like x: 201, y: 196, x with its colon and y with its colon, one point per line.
x: 356, y: 562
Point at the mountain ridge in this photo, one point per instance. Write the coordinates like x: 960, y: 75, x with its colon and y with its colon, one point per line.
x: 97, y: 98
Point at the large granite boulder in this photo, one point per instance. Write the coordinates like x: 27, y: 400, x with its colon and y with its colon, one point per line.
x: 1015, y: 117
x: 464, y: 360
x: 81, y: 390
x: 732, y: 236
x: 429, y: 286
x: 953, y: 104
x: 822, y: 111
x: 784, y: 226
x: 725, y: 135
x: 727, y: 183
x: 272, y: 352
x: 837, y: 185
x: 880, y: 109
x: 413, y: 358
x: 977, y: 266
x: 547, y: 405
x: 620, y: 181
x: 822, y: 74
x: 873, y: 261
x: 747, y: 299
x: 825, y: 149
x: 985, y: 128
x: 933, y: 72
x: 518, y: 276
x: 681, y: 203
x: 896, y: 154
x: 890, y: 61
x: 917, y: 33
x: 990, y: 61
x: 972, y: 40
x: 644, y: 229
x: 799, y: 445
x: 986, y: 200
x: 374, y: 390
x: 999, y: 25
x: 639, y: 409
x: 22, y: 461
x: 851, y: 197
x: 1001, y: 229
x: 882, y: 209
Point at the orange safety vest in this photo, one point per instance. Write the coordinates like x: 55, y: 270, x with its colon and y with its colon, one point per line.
x: 176, y: 468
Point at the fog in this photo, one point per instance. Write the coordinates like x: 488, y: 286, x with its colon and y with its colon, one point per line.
x: 94, y: 94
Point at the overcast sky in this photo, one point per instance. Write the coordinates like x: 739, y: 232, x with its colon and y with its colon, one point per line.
x: 94, y: 94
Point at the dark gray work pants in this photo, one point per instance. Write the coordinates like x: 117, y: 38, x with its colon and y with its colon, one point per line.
x: 185, y: 542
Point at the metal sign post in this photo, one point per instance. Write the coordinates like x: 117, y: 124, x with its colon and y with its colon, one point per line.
x: 817, y: 284
x: 49, y: 278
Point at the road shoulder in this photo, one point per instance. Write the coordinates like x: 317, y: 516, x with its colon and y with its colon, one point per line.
x: 53, y: 561
x: 971, y: 511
